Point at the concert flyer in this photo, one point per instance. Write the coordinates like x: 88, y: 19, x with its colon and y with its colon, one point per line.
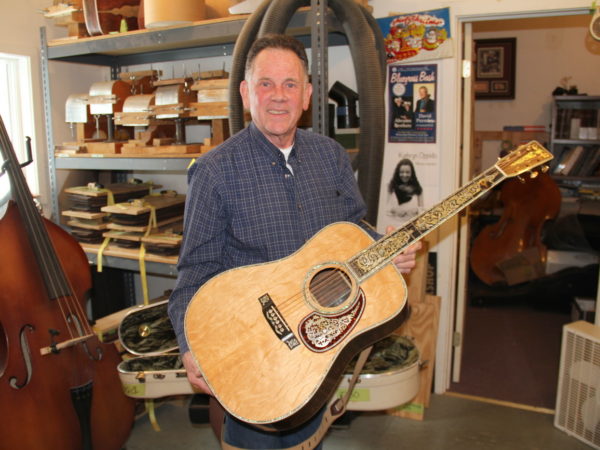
x: 412, y: 103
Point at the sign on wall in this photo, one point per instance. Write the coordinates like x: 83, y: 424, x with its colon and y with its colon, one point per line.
x: 417, y: 36
x: 412, y: 103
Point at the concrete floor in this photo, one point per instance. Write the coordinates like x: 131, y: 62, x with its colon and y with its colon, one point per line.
x: 451, y: 423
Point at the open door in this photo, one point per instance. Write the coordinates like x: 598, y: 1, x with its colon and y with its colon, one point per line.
x: 465, y: 176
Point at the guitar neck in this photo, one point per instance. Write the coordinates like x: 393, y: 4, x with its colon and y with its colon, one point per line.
x: 374, y: 257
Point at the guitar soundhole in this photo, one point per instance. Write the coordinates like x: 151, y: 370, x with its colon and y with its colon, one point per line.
x: 330, y: 287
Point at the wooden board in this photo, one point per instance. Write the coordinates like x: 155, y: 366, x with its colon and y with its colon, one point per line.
x: 143, y: 228
x: 134, y: 254
x: 422, y: 326
x: 136, y: 207
x: 84, y: 215
x: 416, y: 280
x: 181, y: 149
x: 104, y: 147
x: 210, y: 110
x: 115, y: 188
x: 87, y: 225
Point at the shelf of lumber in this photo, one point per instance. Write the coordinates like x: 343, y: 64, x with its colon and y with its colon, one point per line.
x: 128, y: 259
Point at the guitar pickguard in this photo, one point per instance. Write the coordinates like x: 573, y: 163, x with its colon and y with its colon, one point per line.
x: 321, y: 333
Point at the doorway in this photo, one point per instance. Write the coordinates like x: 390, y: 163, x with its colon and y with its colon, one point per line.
x: 511, y: 340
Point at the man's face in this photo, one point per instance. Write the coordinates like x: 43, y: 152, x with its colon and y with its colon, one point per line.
x: 276, y: 94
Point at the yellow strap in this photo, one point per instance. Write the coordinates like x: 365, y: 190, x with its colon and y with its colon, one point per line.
x: 110, y: 197
x: 100, y: 251
x: 151, y: 414
x: 152, y: 223
x: 143, y: 278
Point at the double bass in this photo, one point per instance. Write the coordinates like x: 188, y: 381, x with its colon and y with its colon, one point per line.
x: 59, y: 386
x: 528, y: 204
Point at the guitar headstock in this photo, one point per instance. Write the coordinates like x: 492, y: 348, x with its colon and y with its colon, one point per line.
x: 523, y: 159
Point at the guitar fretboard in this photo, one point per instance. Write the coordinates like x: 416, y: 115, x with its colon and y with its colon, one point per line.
x: 380, y: 253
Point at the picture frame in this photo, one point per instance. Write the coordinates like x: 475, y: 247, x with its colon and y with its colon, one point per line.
x: 495, y: 69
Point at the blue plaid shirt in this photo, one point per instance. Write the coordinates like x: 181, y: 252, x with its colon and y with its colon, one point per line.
x: 244, y: 206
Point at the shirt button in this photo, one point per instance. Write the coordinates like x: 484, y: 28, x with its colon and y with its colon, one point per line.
x: 273, y: 163
x: 299, y: 206
x: 287, y: 175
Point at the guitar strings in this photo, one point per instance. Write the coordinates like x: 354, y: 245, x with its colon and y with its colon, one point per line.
x: 325, y: 288
x: 41, y: 240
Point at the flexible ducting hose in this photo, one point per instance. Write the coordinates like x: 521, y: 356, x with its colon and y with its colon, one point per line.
x: 238, y: 61
x: 274, y: 16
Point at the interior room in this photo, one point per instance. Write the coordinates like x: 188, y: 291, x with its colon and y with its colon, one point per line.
x: 469, y: 129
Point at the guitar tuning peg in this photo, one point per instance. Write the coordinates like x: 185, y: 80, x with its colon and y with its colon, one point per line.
x: 545, y: 168
x: 533, y: 174
x: 521, y: 179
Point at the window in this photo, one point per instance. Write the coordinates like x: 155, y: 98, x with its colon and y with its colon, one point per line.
x: 16, y: 109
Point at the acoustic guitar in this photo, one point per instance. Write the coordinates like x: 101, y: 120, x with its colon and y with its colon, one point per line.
x: 272, y: 340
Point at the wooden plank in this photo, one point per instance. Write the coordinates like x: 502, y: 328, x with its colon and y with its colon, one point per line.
x: 87, y: 225
x: 145, y: 204
x: 87, y: 215
x: 416, y: 280
x: 179, y: 149
x: 104, y: 147
x: 143, y: 228
x: 212, y: 110
x: 134, y: 254
x: 422, y: 327
x: 115, y: 188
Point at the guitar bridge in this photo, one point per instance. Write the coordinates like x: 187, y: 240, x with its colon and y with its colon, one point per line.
x: 277, y: 323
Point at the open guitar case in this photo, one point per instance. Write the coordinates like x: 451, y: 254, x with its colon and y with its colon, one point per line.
x: 154, y: 368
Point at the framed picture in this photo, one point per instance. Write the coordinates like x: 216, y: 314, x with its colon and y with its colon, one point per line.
x: 495, y: 68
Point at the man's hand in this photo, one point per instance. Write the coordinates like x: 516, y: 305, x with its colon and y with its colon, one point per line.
x: 194, y: 375
x: 407, y: 260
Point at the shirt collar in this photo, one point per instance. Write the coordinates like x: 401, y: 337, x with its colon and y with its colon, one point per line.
x: 267, y: 146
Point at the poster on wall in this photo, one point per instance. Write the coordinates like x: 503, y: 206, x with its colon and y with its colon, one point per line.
x: 408, y: 184
x: 412, y: 103
x: 418, y: 36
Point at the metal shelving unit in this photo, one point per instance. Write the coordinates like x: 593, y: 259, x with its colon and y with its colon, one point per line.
x: 201, y: 40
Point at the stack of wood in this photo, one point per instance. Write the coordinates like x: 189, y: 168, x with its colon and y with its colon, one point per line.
x: 131, y: 221
x: 86, y: 220
x: 212, y: 103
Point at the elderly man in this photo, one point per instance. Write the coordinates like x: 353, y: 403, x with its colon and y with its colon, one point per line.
x: 260, y: 196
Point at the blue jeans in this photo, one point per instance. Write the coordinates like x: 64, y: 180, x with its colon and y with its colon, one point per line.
x: 243, y: 435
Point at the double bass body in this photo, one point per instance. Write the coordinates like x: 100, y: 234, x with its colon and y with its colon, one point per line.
x: 68, y: 399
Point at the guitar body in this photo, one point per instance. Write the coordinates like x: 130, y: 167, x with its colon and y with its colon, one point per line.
x: 273, y: 339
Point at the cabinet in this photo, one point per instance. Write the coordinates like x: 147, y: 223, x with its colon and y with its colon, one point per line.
x: 575, y: 138
x: 199, y: 40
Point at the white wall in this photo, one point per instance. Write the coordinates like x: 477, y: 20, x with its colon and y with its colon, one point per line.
x: 20, y: 34
x: 547, y: 50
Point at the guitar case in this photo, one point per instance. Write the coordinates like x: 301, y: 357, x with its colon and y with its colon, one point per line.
x: 156, y: 369
x: 389, y: 378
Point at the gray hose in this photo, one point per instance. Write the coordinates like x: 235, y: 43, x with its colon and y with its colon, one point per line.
x: 238, y: 62
x: 366, y: 53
